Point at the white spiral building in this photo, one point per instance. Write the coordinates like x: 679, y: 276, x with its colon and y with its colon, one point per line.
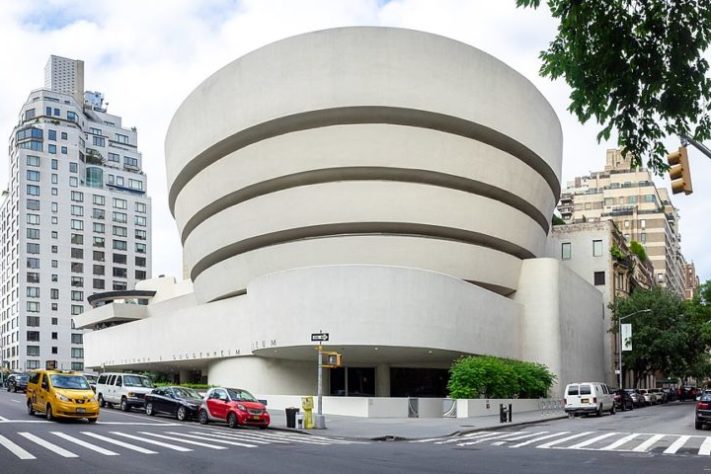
x: 390, y: 187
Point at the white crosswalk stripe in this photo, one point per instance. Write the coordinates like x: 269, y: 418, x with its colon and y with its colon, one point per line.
x: 84, y: 444
x: 489, y: 438
x: 705, y: 448
x: 620, y: 442
x: 153, y: 442
x: 15, y: 449
x: 563, y: 440
x: 215, y: 439
x: 644, y: 446
x: 590, y: 441
x: 119, y: 443
x: 186, y: 441
x: 540, y: 438
x: 676, y: 445
x: 47, y: 445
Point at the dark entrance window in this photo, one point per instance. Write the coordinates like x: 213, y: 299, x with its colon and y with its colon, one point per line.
x: 406, y: 382
x: 352, y: 381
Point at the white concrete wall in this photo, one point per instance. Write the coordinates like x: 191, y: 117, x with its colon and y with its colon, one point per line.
x: 469, y: 408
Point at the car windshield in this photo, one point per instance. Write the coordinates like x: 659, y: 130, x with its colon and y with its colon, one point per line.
x: 182, y: 392
x: 137, y: 381
x: 70, y: 382
x: 91, y: 378
x: 22, y: 378
x: 237, y: 394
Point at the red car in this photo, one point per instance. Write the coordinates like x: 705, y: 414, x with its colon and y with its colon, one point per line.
x: 233, y: 406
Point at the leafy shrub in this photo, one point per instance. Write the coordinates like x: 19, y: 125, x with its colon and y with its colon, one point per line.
x: 494, y: 377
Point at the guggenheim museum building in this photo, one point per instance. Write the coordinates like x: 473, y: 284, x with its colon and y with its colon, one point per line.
x: 389, y: 187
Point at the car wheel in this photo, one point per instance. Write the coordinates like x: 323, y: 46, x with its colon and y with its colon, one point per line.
x: 149, y: 409
x: 263, y: 427
x: 102, y: 402
x: 202, y: 417
x: 599, y: 411
x: 30, y: 410
x: 124, y: 404
x: 612, y: 410
x: 48, y: 413
x: 181, y: 414
x: 699, y: 425
x: 92, y: 420
x: 232, y: 420
x: 14, y: 389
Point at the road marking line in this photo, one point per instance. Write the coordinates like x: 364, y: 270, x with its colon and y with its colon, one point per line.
x: 84, y: 444
x: 221, y: 434
x: 279, y: 439
x: 216, y: 440
x: 705, y: 448
x: 150, y: 441
x: 540, y: 438
x: 489, y: 438
x: 676, y: 445
x: 137, y: 423
x: 647, y: 444
x: 529, y: 435
x: 427, y: 440
x: 591, y: 441
x: 2, y: 418
x: 15, y: 449
x: 619, y: 442
x: 47, y: 445
x: 467, y: 436
x: 119, y: 443
x: 563, y: 440
x: 186, y: 441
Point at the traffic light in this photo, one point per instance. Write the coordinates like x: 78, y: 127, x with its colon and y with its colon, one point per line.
x: 331, y: 359
x: 679, y: 172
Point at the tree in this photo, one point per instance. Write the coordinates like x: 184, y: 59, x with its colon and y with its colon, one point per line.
x: 660, y: 337
x: 635, y: 66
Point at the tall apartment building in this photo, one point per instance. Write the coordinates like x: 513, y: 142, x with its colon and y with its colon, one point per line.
x: 641, y: 211
x: 75, y: 219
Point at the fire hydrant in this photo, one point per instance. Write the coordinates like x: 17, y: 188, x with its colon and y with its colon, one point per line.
x: 307, y: 404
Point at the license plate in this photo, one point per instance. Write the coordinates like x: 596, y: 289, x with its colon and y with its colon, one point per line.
x: 584, y: 400
x: 255, y: 417
x: 81, y: 410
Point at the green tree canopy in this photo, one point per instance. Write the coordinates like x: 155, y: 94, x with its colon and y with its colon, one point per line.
x: 636, y: 67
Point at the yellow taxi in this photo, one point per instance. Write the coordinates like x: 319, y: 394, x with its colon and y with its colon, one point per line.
x: 61, y: 394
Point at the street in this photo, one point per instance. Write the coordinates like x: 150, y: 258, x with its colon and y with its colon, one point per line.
x: 654, y: 439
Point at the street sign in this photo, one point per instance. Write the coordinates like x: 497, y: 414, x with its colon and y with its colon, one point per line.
x: 319, y: 337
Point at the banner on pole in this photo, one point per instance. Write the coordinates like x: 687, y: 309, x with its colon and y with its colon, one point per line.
x: 626, y: 332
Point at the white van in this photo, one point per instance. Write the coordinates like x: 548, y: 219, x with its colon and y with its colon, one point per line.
x: 588, y: 397
x: 125, y: 390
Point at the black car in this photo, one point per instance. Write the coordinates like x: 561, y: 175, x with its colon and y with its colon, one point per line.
x: 703, y: 411
x: 17, y: 382
x: 181, y: 402
x: 623, y: 399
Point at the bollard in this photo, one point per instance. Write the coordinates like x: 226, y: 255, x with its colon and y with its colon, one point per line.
x: 502, y: 413
x: 510, y: 413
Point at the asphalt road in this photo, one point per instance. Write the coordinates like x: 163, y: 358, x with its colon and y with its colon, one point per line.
x: 133, y: 442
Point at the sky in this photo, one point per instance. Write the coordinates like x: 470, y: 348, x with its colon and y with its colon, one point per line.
x: 146, y: 56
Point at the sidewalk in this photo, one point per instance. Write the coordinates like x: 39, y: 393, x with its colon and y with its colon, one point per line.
x: 391, y: 429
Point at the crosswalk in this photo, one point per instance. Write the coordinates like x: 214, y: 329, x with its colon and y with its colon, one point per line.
x: 26, y: 445
x: 658, y: 443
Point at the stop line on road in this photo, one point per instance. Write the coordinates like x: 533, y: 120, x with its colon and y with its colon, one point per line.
x: 26, y: 445
x: 588, y: 440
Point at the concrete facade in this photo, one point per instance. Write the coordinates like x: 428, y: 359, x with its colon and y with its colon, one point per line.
x: 391, y: 187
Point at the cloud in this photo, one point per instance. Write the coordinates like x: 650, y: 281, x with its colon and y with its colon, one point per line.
x: 146, y: 56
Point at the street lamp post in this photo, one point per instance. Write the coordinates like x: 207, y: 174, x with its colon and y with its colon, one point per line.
x: 619, y: 332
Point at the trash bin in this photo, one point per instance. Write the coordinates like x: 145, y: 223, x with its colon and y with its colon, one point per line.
x: 300, y: 421
x: 291, y: 417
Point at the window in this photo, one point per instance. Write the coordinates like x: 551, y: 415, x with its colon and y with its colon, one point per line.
x: 55, y: 321
x: 29, y: 114
x: 140, y: 234
x: 77, y: 281
x: 76, y: 309
x: 77, y: 196
x: 33, y: 262
x: 33, y: 351
x: 120, y: 245
x: 120, y: 217
x: 51, y: 135
x: 33, y: 190
x: 71, y: 116
x: 77, y: 252
x: 33, y: 219
x: 78, y: 366
x: 55, y: 192
x: 119, y: 273
x: 77, y: 224
x: 98, y: 227
x: 114, y: 157
x: 566, y: 250
x: 73, y: 181
x: 99, y: 284
x: 141, y: 207
x: 135, y: 184
x: 77, y: 339
x: 54, y: 335
x: 122, y: 138
x: 140, y: 261
x: 55, y: 234
x: 99, y: 200
x: 33, y: 306
x: 55, y: 178
x: 140, y: 248
x: 140, y: 220
x: 33, y: 175
x: 33, y: 205
x: 119, y: 231
x: 57, y: 112
x: 98, y: 213
x: 52, y: 148
x: 119, y: 258
x: 63, y: 150
x: 77, y: 239
x: 77, y: 353
x: 98, y: 256
x: 99, y: 242
x: 99, y: 141
x: 643, y: 223
x: 55, y: 263
x: 77, y: 295
x: 120, y: 203
x: 54, y: 293
x: 33, y: 336
x: 33, y: 234
x: 77, y: 267
x: 99, y: 270
x: 33, y: 291
x: 140, y: 274
x: 119, y: 180
x: 597, y: 248
x: 599, y: 278
x: 64, y: 135
x: 33, y: 321
x: 33, y: 248
x: 73, y: 167
x: 55, y: 164
x: 33, y: 277
x: 77, y: 211
x: 55, y: 249
x: 119, y: 285
x: 33, y: 160
x: 643, y: 237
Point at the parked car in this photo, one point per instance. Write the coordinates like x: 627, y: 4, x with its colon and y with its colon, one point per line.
x: 661, y: 396
x: 125, y: 390
x: 703, y: 411
x: 180, y: 402
x: 637, y: 397
x: 588, y: 397
x: 92, y: 379
x: 671, y: 394
x: 61, y: 394
x: 649, y: 398
x: 233, y: 406
x: 17, y: 382
x: 623, y: 400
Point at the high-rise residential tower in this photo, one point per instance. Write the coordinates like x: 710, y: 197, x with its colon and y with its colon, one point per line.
x: 75, y: 218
